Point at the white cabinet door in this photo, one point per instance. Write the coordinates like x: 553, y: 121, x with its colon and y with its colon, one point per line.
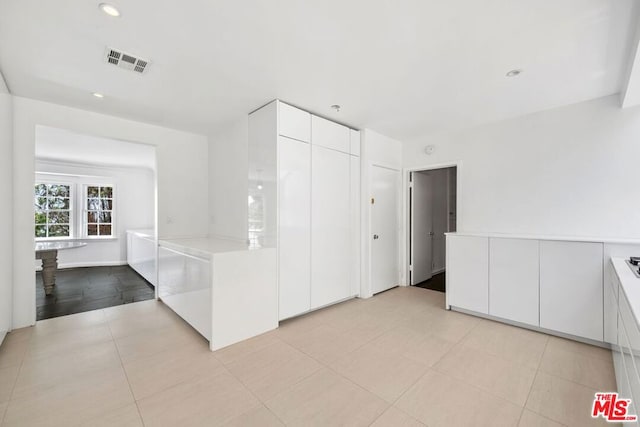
x: 571, y: 288
x: 354, y: 200
x: 294, y: 123
x: 330, y: 223
x: 468, y: 271
x: 355, y: 142
x: 294, y: 242
x: 514, y: 266
x: 329, y: 134
x: 610, y: 305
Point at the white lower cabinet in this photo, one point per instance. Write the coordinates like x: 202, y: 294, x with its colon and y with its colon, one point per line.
x: 571, y: 280
x: 294, y: 232
x: 468, y: 272
x: 330, y: 226
x: 514, y: 279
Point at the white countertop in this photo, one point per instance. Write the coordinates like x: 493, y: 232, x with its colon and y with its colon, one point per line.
x: 620, y: 240
x: 58, y: 246
x: 204, y: 246
x: 630, y: 285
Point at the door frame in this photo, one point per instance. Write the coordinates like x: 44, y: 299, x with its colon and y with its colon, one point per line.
x: 405, y: 241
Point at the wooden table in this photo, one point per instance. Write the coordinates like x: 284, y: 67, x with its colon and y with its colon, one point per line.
x: 48, y: 253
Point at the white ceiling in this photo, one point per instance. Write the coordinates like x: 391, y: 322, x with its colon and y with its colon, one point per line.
x: 61, y: 145
x: 403, y: 68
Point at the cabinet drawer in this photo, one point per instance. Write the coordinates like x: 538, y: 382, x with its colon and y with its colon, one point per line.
x: 294, y: 123
x: 330, y: 135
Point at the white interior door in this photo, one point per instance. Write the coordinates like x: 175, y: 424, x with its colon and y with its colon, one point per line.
x: 422, y: 228
x: 384, y: 228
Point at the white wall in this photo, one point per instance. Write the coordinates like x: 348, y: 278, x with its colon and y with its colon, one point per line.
x: 377, y: 150
x: 134, y: 209
x: 229, y: 171
x: 182, y: 186
x: 568, y: 171
x: 6, y: 215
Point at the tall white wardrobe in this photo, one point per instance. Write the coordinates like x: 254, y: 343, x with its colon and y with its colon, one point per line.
x: 304, y: 198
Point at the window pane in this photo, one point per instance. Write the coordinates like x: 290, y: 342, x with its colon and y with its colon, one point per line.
x: 93, y: 204
x: 92, y: 217
x: 105, y: 230
x: 41, y: 231
x: 59, y: 190
x: 58, y: 231
x: 41, y: 204
x: 92, y: 229
x: 58, y: 217
x: 41, y: 190
x: 107, y: 205
x: 93, y: 192
x: 40, y: 218
x: 106, y: 192
x: 105, y: 217
x: 58, y: 203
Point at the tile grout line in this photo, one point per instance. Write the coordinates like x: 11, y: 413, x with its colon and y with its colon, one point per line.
x: 262, y: 403
x: 524, y: 407
x: 135, y: 401
x: 15, y: 381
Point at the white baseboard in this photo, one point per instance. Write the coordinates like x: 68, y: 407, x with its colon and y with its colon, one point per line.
x: 438, y: 271
x: 87, y: 264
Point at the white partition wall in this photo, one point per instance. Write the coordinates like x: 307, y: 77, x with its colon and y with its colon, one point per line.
x: 315, y: 202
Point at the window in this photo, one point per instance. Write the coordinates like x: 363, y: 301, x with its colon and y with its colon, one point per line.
x: 99, y: 211
x: 53, y: 210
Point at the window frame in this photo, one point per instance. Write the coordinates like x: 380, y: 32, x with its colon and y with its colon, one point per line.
x: 71, y: 210
x: 84, y: 222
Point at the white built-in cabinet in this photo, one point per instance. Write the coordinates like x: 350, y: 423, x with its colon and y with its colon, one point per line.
x: 514, y: 279
x: 571, y: 286
x: 549, y: 284
x: 294, y: 181
x: 468, y: 272
x: 304, y: 179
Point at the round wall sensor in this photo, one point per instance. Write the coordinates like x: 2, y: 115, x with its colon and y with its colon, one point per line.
x: 428, y: 150
x: 514, y: 73
x: 336, y: 107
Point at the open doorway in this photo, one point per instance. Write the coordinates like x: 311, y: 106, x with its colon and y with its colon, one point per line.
x: 432, y: 213
x: 94, y: 222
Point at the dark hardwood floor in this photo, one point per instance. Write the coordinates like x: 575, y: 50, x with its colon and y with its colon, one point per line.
x: 90, y: 288
x: 436, y: 283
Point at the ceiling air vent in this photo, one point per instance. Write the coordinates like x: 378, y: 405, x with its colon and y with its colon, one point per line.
x: 126, y: 60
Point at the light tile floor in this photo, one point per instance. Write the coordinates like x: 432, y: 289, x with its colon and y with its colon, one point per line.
x: 398, y: 359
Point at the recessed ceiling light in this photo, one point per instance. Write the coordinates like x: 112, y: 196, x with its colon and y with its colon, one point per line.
x: 109, y: 9
x: 336, y: 107
x: 98, y: 95
x: 514, y: 73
